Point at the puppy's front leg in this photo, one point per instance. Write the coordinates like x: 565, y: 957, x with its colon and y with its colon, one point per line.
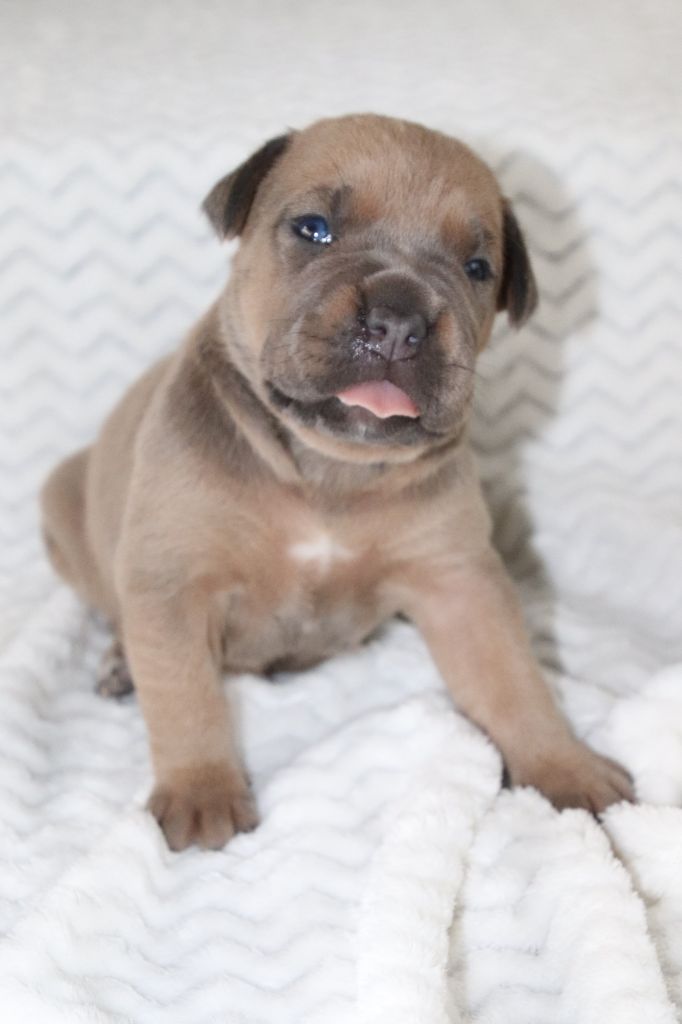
x: 471, y: 620
x: 201, y: 794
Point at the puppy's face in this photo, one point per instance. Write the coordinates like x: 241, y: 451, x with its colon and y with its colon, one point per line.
x: 374, y: 255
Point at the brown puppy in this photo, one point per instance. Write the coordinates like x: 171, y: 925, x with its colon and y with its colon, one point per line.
x: 298, y: 471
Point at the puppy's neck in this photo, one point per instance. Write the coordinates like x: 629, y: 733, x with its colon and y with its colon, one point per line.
x: 336, y: 484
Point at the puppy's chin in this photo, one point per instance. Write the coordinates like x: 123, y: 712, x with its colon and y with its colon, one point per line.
x: 353, y: 433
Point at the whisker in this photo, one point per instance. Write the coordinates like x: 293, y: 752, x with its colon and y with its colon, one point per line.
x: 317, y: 337
x: 461, y: 366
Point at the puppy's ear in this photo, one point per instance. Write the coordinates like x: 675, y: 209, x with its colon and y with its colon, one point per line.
x: 228, y: 203
x: 518, y: 292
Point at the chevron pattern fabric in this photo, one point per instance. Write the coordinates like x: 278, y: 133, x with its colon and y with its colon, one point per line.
x: 391, y: 880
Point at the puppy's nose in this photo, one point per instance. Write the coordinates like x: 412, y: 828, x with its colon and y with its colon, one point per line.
x: 394, y: 335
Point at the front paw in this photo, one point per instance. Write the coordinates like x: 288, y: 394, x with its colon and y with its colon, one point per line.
x: 205, y: 805
x: 574, y: 776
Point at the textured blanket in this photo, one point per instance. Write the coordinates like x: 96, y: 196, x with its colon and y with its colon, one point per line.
x: 392, y: 880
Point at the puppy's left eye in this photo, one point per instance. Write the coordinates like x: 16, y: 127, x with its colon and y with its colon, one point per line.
x: 313, y: 227
x: 478, y: 270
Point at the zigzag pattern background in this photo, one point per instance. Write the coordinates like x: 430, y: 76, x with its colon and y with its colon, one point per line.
x: 105, y: 261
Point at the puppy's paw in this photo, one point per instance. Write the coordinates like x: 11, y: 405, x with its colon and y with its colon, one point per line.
x: 205, y: 805
x: 114, y: 676
x: 576, y: 776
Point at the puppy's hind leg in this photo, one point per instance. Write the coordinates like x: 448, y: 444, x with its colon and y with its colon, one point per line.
x: 63, y: 508
x: 64, y: 523
x: 114, y: 678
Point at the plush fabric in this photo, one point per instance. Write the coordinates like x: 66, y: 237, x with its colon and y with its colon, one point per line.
x: 391, y: 880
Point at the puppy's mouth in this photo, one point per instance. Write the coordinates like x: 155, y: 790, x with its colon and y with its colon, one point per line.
x: 376, y: 412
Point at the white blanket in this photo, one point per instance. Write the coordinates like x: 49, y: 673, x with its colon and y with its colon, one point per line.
x: 391, y: 881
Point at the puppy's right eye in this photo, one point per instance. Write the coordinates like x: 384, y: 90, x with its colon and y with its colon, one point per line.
x: 314, y: 228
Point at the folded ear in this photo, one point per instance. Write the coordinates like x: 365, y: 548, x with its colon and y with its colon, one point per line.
x: 228, y: 203
x: 518, y: 292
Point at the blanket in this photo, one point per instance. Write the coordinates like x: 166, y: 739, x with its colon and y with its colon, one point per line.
x: 393, y: 880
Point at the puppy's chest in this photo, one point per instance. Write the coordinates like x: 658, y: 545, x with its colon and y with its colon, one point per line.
x: 313, y: 593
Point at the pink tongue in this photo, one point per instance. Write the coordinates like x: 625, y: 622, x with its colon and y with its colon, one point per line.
x: 381, y: 398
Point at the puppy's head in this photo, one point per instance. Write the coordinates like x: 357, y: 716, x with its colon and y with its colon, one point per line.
x: 374, y: 255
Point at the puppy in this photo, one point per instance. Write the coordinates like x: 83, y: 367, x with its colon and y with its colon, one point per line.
x: 298, y: 472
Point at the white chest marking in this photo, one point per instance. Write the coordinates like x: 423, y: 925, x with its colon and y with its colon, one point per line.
x: 322, y: 551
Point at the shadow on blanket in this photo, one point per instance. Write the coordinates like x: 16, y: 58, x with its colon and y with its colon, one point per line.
x: 522, y: 373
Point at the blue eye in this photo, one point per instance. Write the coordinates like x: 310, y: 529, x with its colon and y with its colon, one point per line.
x: 478, y: 270
x: 313, y: 228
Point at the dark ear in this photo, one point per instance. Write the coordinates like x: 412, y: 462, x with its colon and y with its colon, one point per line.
x: 518, y: 292
x: 228, y: 203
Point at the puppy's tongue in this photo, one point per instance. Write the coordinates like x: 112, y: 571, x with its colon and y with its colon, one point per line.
x: 381, y: 398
